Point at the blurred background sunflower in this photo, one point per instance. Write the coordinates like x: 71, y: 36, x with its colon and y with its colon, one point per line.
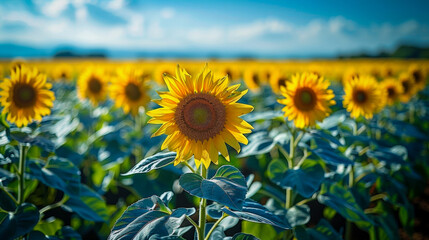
x: 363, y: 97
x: 307, y: 99
x: 129, y: 90
x: 93, y: 85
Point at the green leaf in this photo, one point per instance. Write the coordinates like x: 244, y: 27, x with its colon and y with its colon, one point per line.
x: 88, y: 204
x: 298, y: 215
x: 58, y: 173
x: 243, y: 236
x: 227, y: 187
x: 49, y: 226
x: 20, y: 222
x: 330, y: 155
x: 343, y: 201
x: 41, y: 141
x: 145, y: 218
x: 322, y: 231
x: 156, y: 161
x: 255, y: 212
x: 305, y: 179
x: 385, y: 228
x: 6, y: 202
x: 260, y: 230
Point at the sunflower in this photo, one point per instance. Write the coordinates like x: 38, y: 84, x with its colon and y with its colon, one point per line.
x: 200, y: 115
x: 409, y: 89
x: 62, y: 71
x: 363, y: 96
x: 129, y: 90
x: 278, y: 80
x: 307, y: 99
x: 92, y: 84
x: 252, y: 78
x: 26, y: 96
x: 418, y: 76
x: 393, y: 90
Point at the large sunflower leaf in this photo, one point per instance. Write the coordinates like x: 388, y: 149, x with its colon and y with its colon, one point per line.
x: 255, y: 212
x: 88, y: 204
x: 329, y: 154
x: 146, y: 218
x: 20, y: 222
x: 305, y: 179
x: 58, y: 173
x: 227, y: 187
x: 342, y: 200
x: 156, y: 161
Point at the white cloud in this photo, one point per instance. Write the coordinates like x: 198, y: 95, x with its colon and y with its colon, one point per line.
x: 167, y: 13
x: 55, y: 8
x: 116, y: 4
x: 258, y: 28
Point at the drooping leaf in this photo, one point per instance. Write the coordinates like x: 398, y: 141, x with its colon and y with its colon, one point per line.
x: 6, y: 202
x: 305, y: 179
x: 58, y: 173
x: 243, y: 236
x: 260, y: 230
x: 255, y: 212
x: 20, y: 222
x: 156, y: 161
x: 342, y: 200
x: 42, y: 141
x: 227, y: 187
x: 298, y: 215
x: 88, y: 204
x: 329, y: 154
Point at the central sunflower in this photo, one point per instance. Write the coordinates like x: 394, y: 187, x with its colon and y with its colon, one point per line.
x: 26, y: 96
x: 200, y: 115
x: 307, y: 99
x: 364, y: 96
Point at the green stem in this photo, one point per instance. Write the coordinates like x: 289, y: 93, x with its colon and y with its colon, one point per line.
x: 55, y: 205
x: 215, y: 226
x: 21, y: 172
x: 288, y: 204
x: 192, y: 222
x: 202, y: 217
x: 349, y: 224
x: 189, y: 166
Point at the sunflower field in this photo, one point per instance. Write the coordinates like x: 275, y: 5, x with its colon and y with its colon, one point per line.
x: 321, y: 149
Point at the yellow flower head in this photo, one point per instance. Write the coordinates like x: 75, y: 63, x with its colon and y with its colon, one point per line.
x: 62, y: 71
x: 307, y: 99
x: 129, y: 90
x: 252, y: 78
x: 200, y: 115
x: 92, y: 85
x: 26, y: 96
x: 278, y: 80
x: 363, y: 96
x: 393, y: 89
x: 408, y: 87
x: 419, y: 77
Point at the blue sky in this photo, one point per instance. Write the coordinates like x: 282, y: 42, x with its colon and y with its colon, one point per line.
x: 260, y: 28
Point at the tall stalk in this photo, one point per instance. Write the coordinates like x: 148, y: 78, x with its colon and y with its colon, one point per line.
x: 203, y: 203
x: 349, y: 224
x: 21, y: 172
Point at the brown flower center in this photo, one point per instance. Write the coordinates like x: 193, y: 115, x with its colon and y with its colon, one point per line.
x: 132, y: 91
x: 391, y: 93
x: 418, y: 77
x: 305, y: 99
x: 282, y: 82
x: 406, y: 86
x: 360, y: 96
x: 255, y: 78
x: 94, y: 85
x: 24, y: 95
x: 200, y: 116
